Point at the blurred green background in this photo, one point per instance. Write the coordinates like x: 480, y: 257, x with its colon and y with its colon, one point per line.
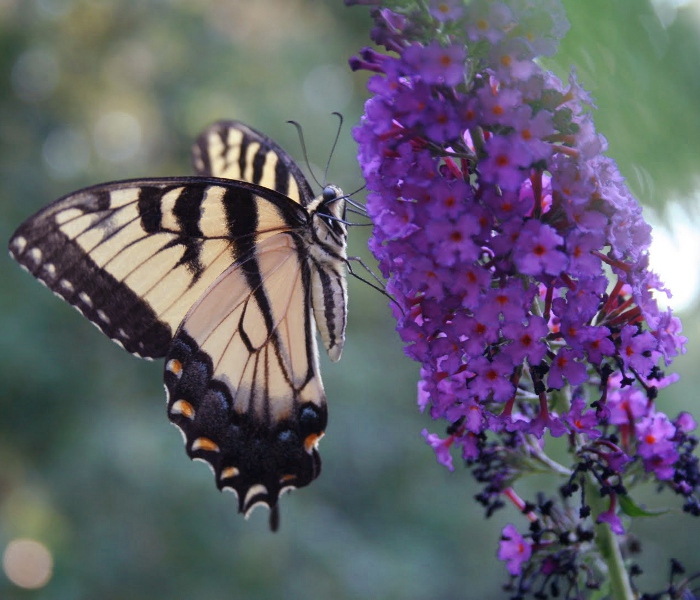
x: 94, y: 90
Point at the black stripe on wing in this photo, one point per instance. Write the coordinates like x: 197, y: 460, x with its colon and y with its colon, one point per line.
x: 63, y: 266
x: 234, y: 150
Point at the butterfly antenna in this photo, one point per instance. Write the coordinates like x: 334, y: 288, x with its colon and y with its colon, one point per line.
x: 300, y: 132
x: 358, y: 190
x: 335, y: 143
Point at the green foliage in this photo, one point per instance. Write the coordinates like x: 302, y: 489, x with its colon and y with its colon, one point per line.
x: 640, y: 65
x: 632, y: 509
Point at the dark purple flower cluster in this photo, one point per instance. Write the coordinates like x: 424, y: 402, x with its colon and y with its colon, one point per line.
x: 516, y: 254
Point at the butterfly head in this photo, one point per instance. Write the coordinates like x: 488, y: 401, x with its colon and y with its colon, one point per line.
x: 328, y: 217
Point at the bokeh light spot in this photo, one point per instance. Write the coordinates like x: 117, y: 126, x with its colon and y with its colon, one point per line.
x: 674, y: 252
x: 66, y: 152
x: 27, y: 563
x: 53, y: 8
x: 35, y: 74
x: 117, y: 136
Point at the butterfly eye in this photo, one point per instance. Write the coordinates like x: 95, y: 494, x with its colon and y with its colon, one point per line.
x: 329, y: 194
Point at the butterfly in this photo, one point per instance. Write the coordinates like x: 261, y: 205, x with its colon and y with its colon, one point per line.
x: 227, y: 275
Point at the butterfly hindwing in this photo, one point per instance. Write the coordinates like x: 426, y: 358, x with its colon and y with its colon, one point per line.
x: 242, y: 375
x: 233, y: 150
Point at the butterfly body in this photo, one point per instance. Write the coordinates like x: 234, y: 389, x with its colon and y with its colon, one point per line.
x: 226, y: 276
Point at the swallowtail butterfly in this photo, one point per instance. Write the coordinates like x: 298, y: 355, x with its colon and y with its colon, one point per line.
x: 226, y: 275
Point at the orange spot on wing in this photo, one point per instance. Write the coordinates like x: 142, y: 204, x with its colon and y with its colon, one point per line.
x: 182, y: 407
x: 203, y: 443
x: 312, y: 441
x: 228, y: 473
x: 174, y: 366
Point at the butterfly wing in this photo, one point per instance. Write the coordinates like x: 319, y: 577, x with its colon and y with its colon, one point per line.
x: 232, y: 150
x: 221, y: 276
x: 134, y: 256
x: 242, y: 374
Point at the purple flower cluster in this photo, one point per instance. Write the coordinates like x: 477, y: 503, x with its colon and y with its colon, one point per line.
x: 517, y: 257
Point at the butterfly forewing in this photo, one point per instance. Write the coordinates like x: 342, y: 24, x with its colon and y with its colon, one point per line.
x: 134, y: 256
x: 106, y: 251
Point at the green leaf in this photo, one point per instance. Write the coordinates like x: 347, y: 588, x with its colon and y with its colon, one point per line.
x: 602, y: 592
x: 632, y: 509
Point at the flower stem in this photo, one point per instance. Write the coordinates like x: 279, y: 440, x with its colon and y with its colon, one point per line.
x: 620, y: 588
x: 538, y: 454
